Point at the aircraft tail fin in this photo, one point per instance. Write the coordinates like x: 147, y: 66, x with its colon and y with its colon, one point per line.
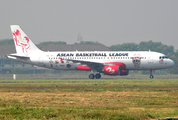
x: 24, y: 46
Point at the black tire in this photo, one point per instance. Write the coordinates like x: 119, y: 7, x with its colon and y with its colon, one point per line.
x: 91, y: 76
x: 98, y: 76
x: 151, y: 76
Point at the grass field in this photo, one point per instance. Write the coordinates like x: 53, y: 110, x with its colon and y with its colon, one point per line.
x: 70, y: 99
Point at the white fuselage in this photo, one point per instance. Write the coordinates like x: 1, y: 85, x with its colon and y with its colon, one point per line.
x: 136, y: 60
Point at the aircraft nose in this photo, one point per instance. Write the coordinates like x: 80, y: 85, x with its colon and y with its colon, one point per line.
x: 171, y: 63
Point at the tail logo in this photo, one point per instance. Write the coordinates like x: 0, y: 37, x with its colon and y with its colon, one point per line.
x: 21, y: 41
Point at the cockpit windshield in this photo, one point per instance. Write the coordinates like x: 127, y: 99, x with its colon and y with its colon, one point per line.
x: 163, y: 57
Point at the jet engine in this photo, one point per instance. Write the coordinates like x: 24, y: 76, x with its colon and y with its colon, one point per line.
x: 115, y: 70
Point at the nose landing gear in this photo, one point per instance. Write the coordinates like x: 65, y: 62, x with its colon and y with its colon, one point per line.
x: 151, y: 76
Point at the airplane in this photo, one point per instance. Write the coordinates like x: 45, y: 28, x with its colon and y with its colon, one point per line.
x: 107, y: 62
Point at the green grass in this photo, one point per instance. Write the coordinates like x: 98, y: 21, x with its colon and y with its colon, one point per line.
x: 109, y: 99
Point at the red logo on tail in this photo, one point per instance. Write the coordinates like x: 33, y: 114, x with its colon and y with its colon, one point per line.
x: 21, y: 41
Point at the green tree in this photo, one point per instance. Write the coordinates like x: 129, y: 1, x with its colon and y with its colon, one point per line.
x: 144, y: 46
x: 157, y: 47
x: 174, y: 69
x: 7, y: 42
x: 124, y: 47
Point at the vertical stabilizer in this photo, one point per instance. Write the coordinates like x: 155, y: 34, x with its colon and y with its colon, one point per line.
x: 24, y: 46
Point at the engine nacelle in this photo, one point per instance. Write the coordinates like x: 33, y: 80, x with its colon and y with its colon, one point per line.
x: 115, y: 70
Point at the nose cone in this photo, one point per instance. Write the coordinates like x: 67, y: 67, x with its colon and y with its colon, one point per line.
x: 171, y: 63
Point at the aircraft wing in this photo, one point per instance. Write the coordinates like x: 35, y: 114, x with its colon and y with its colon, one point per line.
x: 92, y: 65
x: 98, y: 65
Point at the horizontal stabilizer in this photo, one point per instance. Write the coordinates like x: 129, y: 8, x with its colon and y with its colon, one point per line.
x: 18, y: 56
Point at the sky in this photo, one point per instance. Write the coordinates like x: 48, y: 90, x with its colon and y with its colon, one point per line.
x: 109, y: 22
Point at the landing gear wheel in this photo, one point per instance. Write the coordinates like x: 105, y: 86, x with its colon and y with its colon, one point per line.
x: 91, y: 76
x: 98, y: 76
x: 151, y: 76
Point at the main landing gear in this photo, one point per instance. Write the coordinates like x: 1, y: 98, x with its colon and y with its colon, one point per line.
x: 97, y: 76
x: 151, y: 76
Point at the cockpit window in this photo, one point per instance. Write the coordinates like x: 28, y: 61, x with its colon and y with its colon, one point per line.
x: 163, y: 57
